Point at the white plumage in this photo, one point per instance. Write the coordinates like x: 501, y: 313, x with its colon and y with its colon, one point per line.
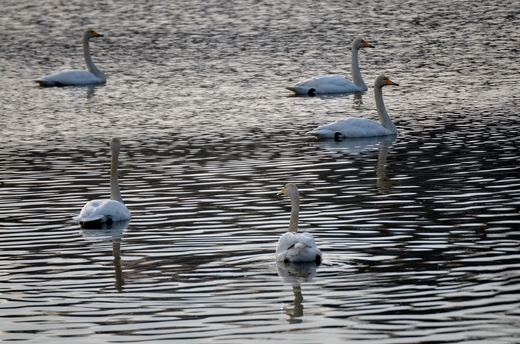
x: 103, y: 211
x: 362, y: 127
x: 77, y: 77
x: 107, y: 211
x: 293, y: 246
x: 324, y: 84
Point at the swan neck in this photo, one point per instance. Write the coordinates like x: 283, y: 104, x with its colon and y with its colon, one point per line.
x: 295, y: 211
x: 88, y: 60
x: 115, y: 192
x: 356, y: 73
x: 381, y: 110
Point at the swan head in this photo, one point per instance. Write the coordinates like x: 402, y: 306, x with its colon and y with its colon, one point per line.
x: 89, y: 33
x: 115, y: 144
x: 383, y: 81
x: 361, y: 43
x: 290, y: 189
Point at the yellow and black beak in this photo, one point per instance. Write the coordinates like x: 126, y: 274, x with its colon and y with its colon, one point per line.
x: 390, y: 82
x: 282, y: 192
x: 96, y: 34
x: 367, y: 45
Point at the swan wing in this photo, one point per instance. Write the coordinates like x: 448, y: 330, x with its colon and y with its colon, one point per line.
x: 351, y: 127
x: 325, y: 84
x: 297, y: 247
x: 102, y: 210
x: 69, y: 78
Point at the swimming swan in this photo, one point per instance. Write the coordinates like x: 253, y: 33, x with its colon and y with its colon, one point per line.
x: 335, y: 83
x: 362, y: 127
x: 77, y: 77
x: 292, y: 246
x: 107, y: 211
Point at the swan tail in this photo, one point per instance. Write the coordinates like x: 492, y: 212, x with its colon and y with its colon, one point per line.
x: 44, y: 82
x: 86, y: 219
x: 300, y: 90
x: 300, y: 246
x: 322, y: 133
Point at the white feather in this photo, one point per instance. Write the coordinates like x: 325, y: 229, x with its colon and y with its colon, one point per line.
x: 297, y: 247
x: 103, y: 211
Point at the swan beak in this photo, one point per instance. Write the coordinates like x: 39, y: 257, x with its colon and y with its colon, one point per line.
x: 365, y: 43
x: 96, y: 34
x: 390, y: 82
x: 281, y: 192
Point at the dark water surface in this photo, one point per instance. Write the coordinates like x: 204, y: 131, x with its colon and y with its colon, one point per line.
x: 420, y: 232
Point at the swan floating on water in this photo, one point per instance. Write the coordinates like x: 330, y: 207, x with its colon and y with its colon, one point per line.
x: 293, y: 246
x: 335, y: 83
x: 362, y: 127
x: 77, y: 77
x: 107, y: 211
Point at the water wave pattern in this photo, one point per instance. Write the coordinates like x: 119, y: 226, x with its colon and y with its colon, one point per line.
x: 419, y: 232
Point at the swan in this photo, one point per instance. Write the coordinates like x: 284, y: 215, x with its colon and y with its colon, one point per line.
x: 362, y: 127
x: 107, y: 211
x: 77, y: 77
x: 335, y: 83
x: 293, y: 246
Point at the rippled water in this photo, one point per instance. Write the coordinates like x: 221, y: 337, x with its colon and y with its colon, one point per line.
x: 420, y: 232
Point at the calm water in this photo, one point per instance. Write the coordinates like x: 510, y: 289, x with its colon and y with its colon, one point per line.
x: 420, y: 232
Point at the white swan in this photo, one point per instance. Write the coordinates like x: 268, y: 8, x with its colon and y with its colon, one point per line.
x: 335, y: 83
x: 107, y: 211
x: 362, y: 127
x: 77, y: 77
x: 293, y: 246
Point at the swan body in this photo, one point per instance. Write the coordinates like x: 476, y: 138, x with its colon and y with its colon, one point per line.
x: 335, y: 83
x: 103, y: 211
x: 107, y: 211
x: 77, y: 77
x: 362, y: 127
x: 293, y: 246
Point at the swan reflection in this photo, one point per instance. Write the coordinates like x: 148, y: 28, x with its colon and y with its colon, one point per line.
x: 110, y: 233
x: 91, y: 89
x: 360, y: 145
x: 384, y: 182
x: 296, y: 273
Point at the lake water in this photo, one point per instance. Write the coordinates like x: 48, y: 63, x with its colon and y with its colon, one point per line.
x: 419, y: 233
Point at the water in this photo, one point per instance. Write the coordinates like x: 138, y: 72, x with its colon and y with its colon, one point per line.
x: 419, y: 232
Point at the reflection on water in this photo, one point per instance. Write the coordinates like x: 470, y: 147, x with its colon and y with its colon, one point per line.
x: 295, y: 274
x: 366, y: 146
x: 419, y: 232
x: 110, y: 233
x: 384, y: 182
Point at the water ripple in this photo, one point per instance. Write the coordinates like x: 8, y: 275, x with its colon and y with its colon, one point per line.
x: 419, y: 231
